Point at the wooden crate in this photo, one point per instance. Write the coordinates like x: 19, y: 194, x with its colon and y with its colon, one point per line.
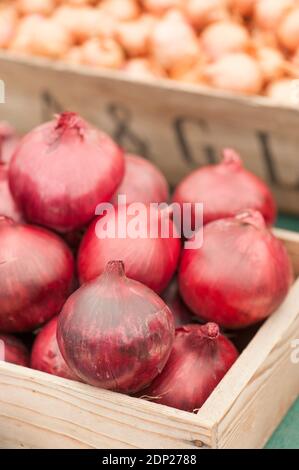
x: 38, y: 410
x: 177, y: 126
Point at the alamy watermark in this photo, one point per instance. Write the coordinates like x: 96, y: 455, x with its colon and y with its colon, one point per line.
x: 155, y: 220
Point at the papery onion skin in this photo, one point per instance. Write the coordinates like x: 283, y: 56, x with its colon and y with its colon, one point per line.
x: 36, y: 276
x: 282, y: 91
x: 270, y: 13
x: 14, y: 350
x: 239, y: 276
x: 237, y: 72
x: 203, y: 12
x: 8, y: 207
x: 199, y: 359
x: 143, y: 182
x: 115, y: 333
x: 173, y: 43
x: 226, y: 189
x: 159, y: 7
x: 46, y: 355
x: 62, y: 170
x: 151, y: 261
x: 224, y: 37
x: 288, y: 31
x: 242, y: 7
x: 143, y: 69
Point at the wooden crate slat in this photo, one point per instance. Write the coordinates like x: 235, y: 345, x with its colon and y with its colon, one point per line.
x: 177, y: 126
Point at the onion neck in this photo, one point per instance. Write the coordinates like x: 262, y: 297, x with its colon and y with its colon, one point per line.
x: 115, y: 268
x: 69, y: 121
x: 231, y: 159
x: 210, y: 331
x: 253, y: 218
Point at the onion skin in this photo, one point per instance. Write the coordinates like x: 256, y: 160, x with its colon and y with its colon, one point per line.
x: 143, y: 182
x: 134, y: 35
x: 62, y: 170
x: 36, y: 276
x: 203, y: 12
x: 288, y: 32
x: 243, y: 7
x: 42, y: 7
x: 115, y: 333
x: 8, y: 23
x: 151, y: 261
x: 8, y: 207
x: 199, y: 359
x: 239, y: 276
x: 282, y: 91
x: 174, y: 44
x: 270, y: 13
x: 237, y: 72
x: 102, y: 52
x: 271, y: 62
x: 143, y: 69
x: 224, y: 37
x: 159, y: 7
x: 216, y: 186
x: 46, y: 355
x: 15, y: 350
x: 122, y: 10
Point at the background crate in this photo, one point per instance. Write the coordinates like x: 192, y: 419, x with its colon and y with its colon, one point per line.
x: 176, y: 126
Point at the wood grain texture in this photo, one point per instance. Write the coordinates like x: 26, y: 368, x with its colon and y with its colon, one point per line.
x: 177, y: 126
x: 38, y: 410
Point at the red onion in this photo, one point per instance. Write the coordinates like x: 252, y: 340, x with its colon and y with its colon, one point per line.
x: 35, y: 276
x: 181, y: 313
x: 45, y: 354
x: 200, y: 357
x: 8, y: 142
x: 14, y: 350
x: 226, y: 189
x: 151, y: 261
x: 239, y: 276
x: 143, y: 182
x: 62, y: 170
x: 115, y: 333
x: 8, y: 206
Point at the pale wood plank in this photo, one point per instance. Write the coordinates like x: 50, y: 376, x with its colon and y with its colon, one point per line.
x: 40, y: 410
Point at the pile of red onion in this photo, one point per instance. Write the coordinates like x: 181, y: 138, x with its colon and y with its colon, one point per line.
x: 62, y: 170
x: 111, y: 321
